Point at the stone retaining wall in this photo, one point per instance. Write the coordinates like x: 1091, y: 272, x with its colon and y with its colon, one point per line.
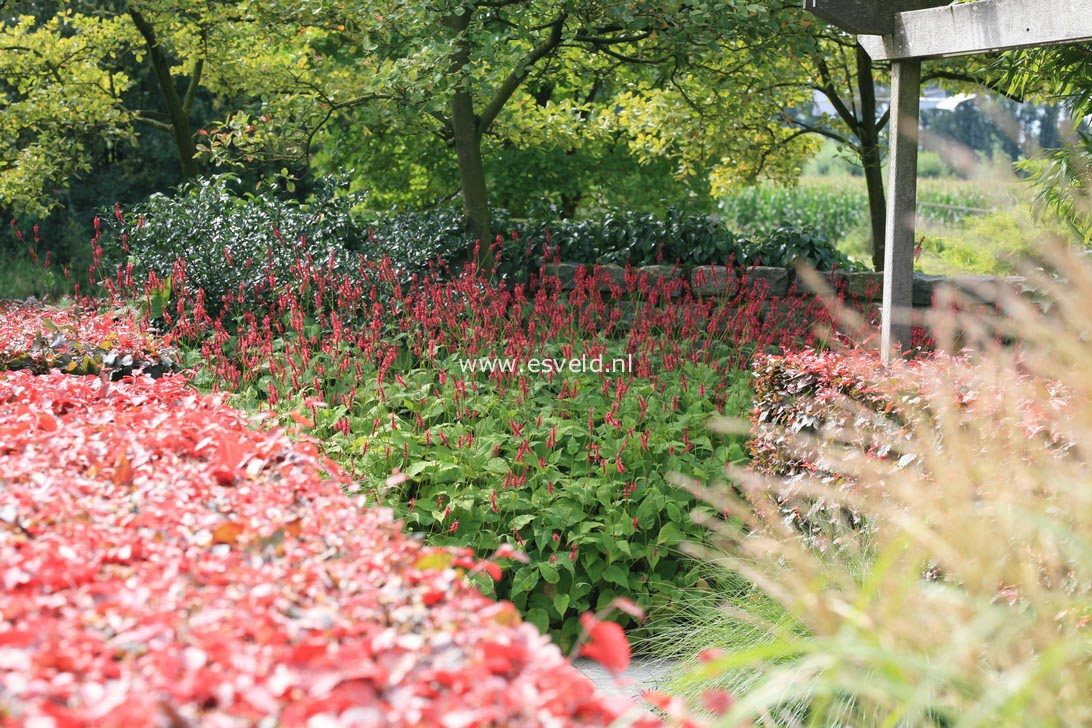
x: 858, y: 287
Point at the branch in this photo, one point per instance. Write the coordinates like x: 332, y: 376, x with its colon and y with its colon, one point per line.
x: 765, y: 155
x: 822, y: 132
x: 198, y: 69
x: 882, y: 122
x: 630, y: 59
x: 828, y: 90
x: 444, y: 121
x: 968, y: 78
x: 195, y: 81
x: 603, y: 40
x: 155, y: 123
x: 516, y: 77
x: 359, y: 101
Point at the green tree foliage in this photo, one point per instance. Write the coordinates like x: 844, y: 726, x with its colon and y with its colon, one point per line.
x: 497, y: 78
x: 71, y: 75
x: 61, y: 93
x: 1063, y: 175
x: 791, y: 58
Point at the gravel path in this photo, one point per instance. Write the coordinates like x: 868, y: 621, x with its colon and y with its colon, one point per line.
x: 643, y: 674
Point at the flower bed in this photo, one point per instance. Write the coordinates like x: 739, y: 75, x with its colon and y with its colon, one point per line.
x: 78, y: 340
x: 567, y: 465
x: 164, y: 563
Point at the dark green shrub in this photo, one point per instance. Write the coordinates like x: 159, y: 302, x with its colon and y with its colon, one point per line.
x: 782, y: 247
x: 211, y: 226
x: 415, y: 240
x: 242, y: 244
x: 644, y: 239
x: 639, y: 239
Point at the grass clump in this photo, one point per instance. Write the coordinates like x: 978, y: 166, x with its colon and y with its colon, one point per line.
x: 964, y: 597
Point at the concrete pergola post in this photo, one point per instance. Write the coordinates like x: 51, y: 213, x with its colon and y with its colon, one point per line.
x: 906, y: 32
x: 902, y: 201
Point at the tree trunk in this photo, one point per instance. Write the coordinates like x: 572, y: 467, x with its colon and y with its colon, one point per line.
x: 468, y: 149
x: 176, y: 111
x: 877, y: 203
x: 467, y: 134
x: 871, y: 157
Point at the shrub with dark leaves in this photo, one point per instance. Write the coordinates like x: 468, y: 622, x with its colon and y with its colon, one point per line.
x: 234, y: 243
x: 783, y: 246
x: 805, y: 400
x: 210, y: 226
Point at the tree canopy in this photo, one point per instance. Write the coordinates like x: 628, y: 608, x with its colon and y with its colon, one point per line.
x: 527, y: 104
x: 516, y: 76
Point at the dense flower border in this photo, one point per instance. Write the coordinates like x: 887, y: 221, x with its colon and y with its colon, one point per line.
x: 163, y: 562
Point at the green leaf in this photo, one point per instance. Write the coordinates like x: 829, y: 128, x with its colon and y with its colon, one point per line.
x: 417, y: 468
x: 669, y: 535
x: 539, y: 618
x: 524, y: 581
x: 615, y: 574
x: 549, y: 572
x: 497, y: 466
x: 522, y: 521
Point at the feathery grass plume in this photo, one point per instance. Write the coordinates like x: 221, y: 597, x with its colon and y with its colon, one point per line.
x: 965, y: 598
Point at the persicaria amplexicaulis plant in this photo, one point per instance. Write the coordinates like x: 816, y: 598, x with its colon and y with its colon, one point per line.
x: 567, y: 466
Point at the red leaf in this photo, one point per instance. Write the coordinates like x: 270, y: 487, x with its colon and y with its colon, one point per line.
x: 301, y: 420
x: 47, y: 422
x: 607, y: 643
x: 227, y: 532
x: 492, y: 569
x: 231, y: 453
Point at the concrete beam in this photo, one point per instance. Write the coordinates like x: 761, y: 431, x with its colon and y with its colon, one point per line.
x: 902, y: 196
x: 981, y: 27
x: 875, y: 17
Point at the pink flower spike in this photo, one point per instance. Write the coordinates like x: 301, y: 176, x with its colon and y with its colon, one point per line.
x: 506, y: 551
x: 717, y: 702
x: 629, y: 607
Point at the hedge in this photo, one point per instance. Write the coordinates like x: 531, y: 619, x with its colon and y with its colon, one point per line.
x: 815, y: 411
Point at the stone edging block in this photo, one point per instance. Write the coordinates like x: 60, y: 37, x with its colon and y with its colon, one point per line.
x: 718, y: 281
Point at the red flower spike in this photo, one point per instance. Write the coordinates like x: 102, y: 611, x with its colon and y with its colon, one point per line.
x: 710, y: 655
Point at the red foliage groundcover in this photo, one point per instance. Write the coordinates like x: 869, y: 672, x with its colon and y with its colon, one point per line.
x: 21, y: 323
x: 78, y: 340
x: 162, y: 562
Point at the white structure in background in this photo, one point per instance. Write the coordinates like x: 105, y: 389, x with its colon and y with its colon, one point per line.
x: 906, y: 32
x: 932, y: 99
